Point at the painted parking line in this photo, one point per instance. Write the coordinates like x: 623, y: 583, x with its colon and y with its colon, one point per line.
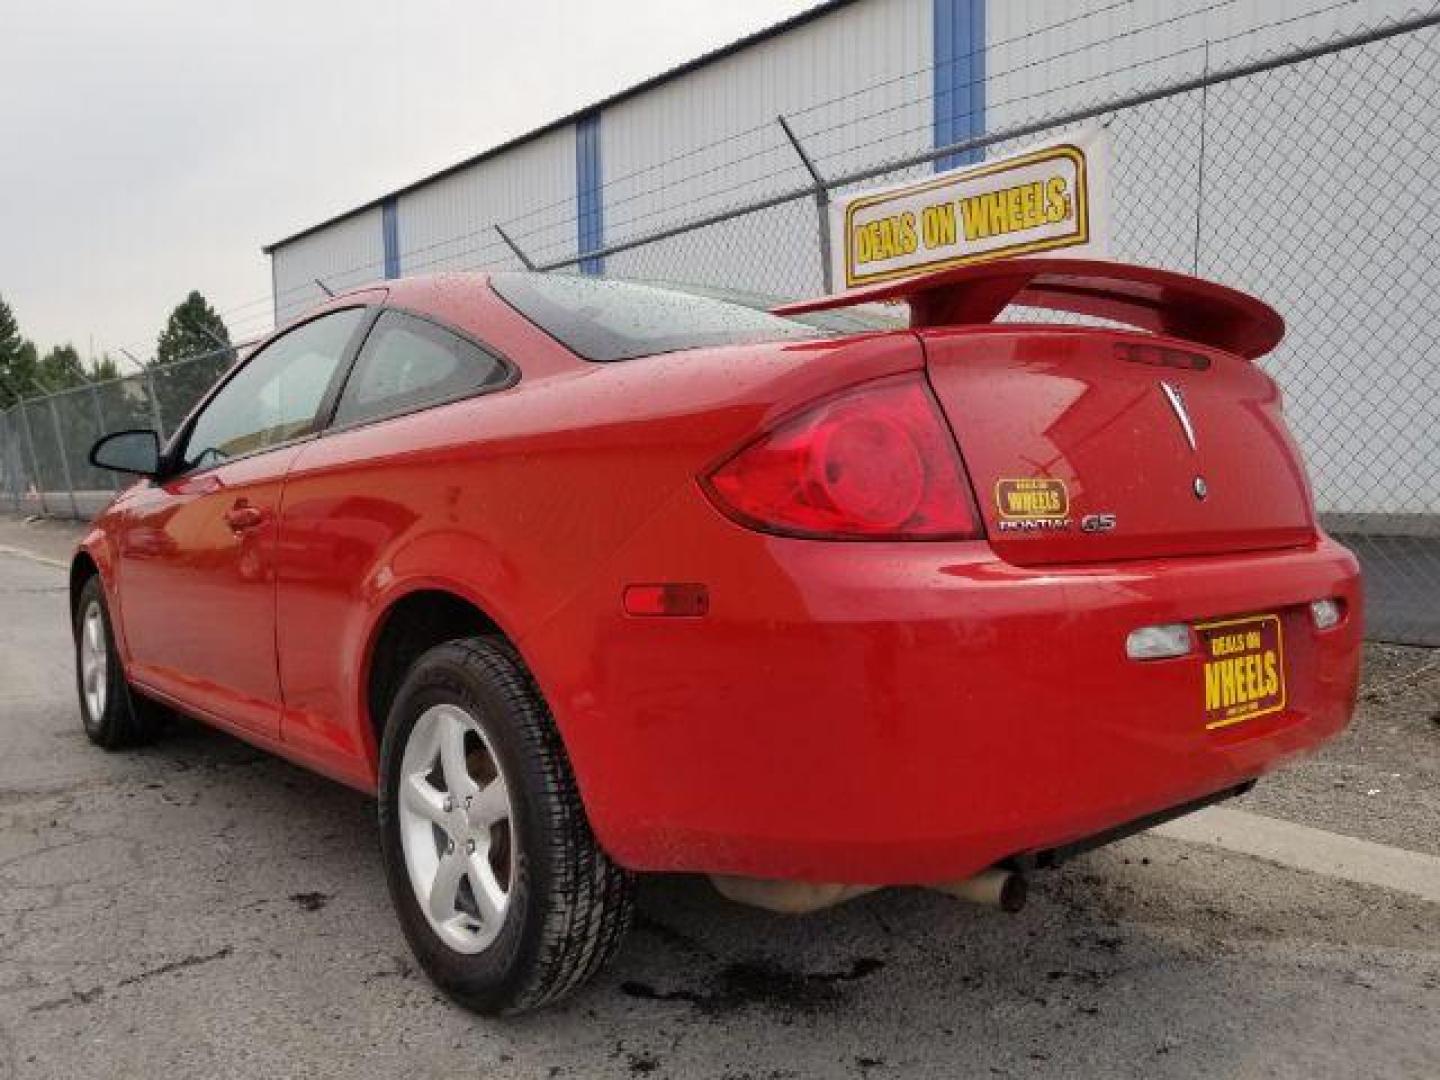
x: 1316, y: 851
x: 21, y: 553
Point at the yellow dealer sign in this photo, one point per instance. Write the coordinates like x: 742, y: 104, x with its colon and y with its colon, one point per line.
x: 1049, y: 199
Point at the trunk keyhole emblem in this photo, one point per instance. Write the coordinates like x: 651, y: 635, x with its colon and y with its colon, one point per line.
x: 1201, y: 488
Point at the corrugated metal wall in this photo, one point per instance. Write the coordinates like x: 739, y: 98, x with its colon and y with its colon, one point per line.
x: 665, y: 160
x: 1047, y: 56
x: 347, y: 253
x: 856, y: 83
x: 449, y: 224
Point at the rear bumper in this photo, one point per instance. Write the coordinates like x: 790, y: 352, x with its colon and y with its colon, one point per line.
x: 913, y: 713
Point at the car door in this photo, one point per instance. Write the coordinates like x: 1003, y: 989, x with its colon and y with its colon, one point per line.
x: 197, y: 550
x: 353, y: 499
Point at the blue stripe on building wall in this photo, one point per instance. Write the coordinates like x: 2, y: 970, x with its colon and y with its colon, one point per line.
x: 959, y: 77
x: 390, y: 236
x: 589, y: 209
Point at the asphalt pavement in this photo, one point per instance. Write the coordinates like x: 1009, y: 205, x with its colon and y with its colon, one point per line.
x: 198, y: 909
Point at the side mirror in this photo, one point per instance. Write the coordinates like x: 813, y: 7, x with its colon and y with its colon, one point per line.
x: 136, y: 452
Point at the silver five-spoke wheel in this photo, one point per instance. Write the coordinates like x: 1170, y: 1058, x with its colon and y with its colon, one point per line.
x: 455, y: 828
x: 502, y: 890
x: 94, y: 662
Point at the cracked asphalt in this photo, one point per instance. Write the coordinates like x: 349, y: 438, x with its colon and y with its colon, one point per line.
x: 198, y: 909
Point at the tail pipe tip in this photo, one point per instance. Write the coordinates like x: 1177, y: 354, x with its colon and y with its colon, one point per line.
x: 1003, y: 889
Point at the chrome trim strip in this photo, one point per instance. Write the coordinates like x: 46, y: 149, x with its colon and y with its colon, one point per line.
x: 1177, y: 405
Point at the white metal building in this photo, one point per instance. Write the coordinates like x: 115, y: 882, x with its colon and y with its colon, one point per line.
x: 868, y: 81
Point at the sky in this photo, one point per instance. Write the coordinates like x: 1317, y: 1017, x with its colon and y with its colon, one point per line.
x: 152, y: 147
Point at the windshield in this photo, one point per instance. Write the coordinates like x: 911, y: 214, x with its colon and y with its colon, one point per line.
x: 605, y: 320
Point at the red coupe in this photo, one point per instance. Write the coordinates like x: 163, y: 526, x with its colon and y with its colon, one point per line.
x: 587, y: 578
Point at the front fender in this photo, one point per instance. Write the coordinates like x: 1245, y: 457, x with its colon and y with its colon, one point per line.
x: 97, y: 549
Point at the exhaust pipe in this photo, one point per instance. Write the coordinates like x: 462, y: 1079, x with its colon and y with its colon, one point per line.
x: 1003, y: 889
x: 786, y: 897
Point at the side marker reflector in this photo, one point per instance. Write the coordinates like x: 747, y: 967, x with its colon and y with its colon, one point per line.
x: 668, y: 599
x: 1158, y: 642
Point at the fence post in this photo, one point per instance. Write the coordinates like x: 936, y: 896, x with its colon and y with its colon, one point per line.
x: 1200, y: 166
x: 17, y: 464
x: 155, y: 414
x: 5, y: 448
x: 12, y: 473
x: 36, y: 478
x: 822, y: 203
x: 64, y: 457
x: 100, y: 429
x: 513, y: 246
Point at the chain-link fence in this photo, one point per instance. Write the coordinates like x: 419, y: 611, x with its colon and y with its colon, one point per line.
x: 1309, y: 179
x: 45, y: 441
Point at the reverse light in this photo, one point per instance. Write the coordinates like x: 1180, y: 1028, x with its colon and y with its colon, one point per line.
x: 1326, y: 613
x: 1158, y: 642
x: 876, y: 462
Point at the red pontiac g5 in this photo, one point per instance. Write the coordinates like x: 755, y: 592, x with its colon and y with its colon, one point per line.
x: 585, y: 579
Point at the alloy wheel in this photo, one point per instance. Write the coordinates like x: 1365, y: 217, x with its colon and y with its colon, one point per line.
x: 94, y: 662
x: 456, y: 829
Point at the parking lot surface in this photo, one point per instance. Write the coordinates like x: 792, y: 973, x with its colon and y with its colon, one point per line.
x: 198, y: 909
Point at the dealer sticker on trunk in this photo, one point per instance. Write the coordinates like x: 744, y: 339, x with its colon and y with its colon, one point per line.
x: 1032, y: 504
x: 1244, y: 669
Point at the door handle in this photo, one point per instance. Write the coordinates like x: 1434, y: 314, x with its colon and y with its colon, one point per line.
x: 243, y: 516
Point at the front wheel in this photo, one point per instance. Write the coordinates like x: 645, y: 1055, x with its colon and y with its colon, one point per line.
x: 114, y: 716
x: 501, y: 889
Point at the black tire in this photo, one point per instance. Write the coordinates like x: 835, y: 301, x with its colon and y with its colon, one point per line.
x: 568, y: 905
x: 125, y: 719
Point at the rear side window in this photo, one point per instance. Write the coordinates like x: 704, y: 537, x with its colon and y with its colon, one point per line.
x: 408, y: 363
x: 607, y: 320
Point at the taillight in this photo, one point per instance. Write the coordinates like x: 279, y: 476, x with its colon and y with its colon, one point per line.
x: 874, y: 462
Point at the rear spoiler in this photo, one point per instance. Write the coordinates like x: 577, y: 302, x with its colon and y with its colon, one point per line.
x: 1160, y: 301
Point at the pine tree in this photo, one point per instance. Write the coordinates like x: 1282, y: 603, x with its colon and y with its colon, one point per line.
x: 61, y: 368
x: 104, y: 369
x: 196, y: 334
x: 193, y: 329
x: 17, y: 360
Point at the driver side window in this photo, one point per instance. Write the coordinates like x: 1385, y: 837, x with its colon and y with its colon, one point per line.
x: 275, y: 397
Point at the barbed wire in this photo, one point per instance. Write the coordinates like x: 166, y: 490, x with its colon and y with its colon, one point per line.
x: 799, y: 192
x: 563, y: 244
x: 768, y: 125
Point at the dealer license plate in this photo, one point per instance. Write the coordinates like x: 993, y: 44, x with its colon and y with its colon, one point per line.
x: 1244, y: 669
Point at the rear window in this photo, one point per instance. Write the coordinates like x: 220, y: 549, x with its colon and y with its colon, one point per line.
x: 860, y: 319
x: 606, y: 320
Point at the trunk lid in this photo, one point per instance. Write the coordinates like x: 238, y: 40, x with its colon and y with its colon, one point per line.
x: 1088, y: 445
